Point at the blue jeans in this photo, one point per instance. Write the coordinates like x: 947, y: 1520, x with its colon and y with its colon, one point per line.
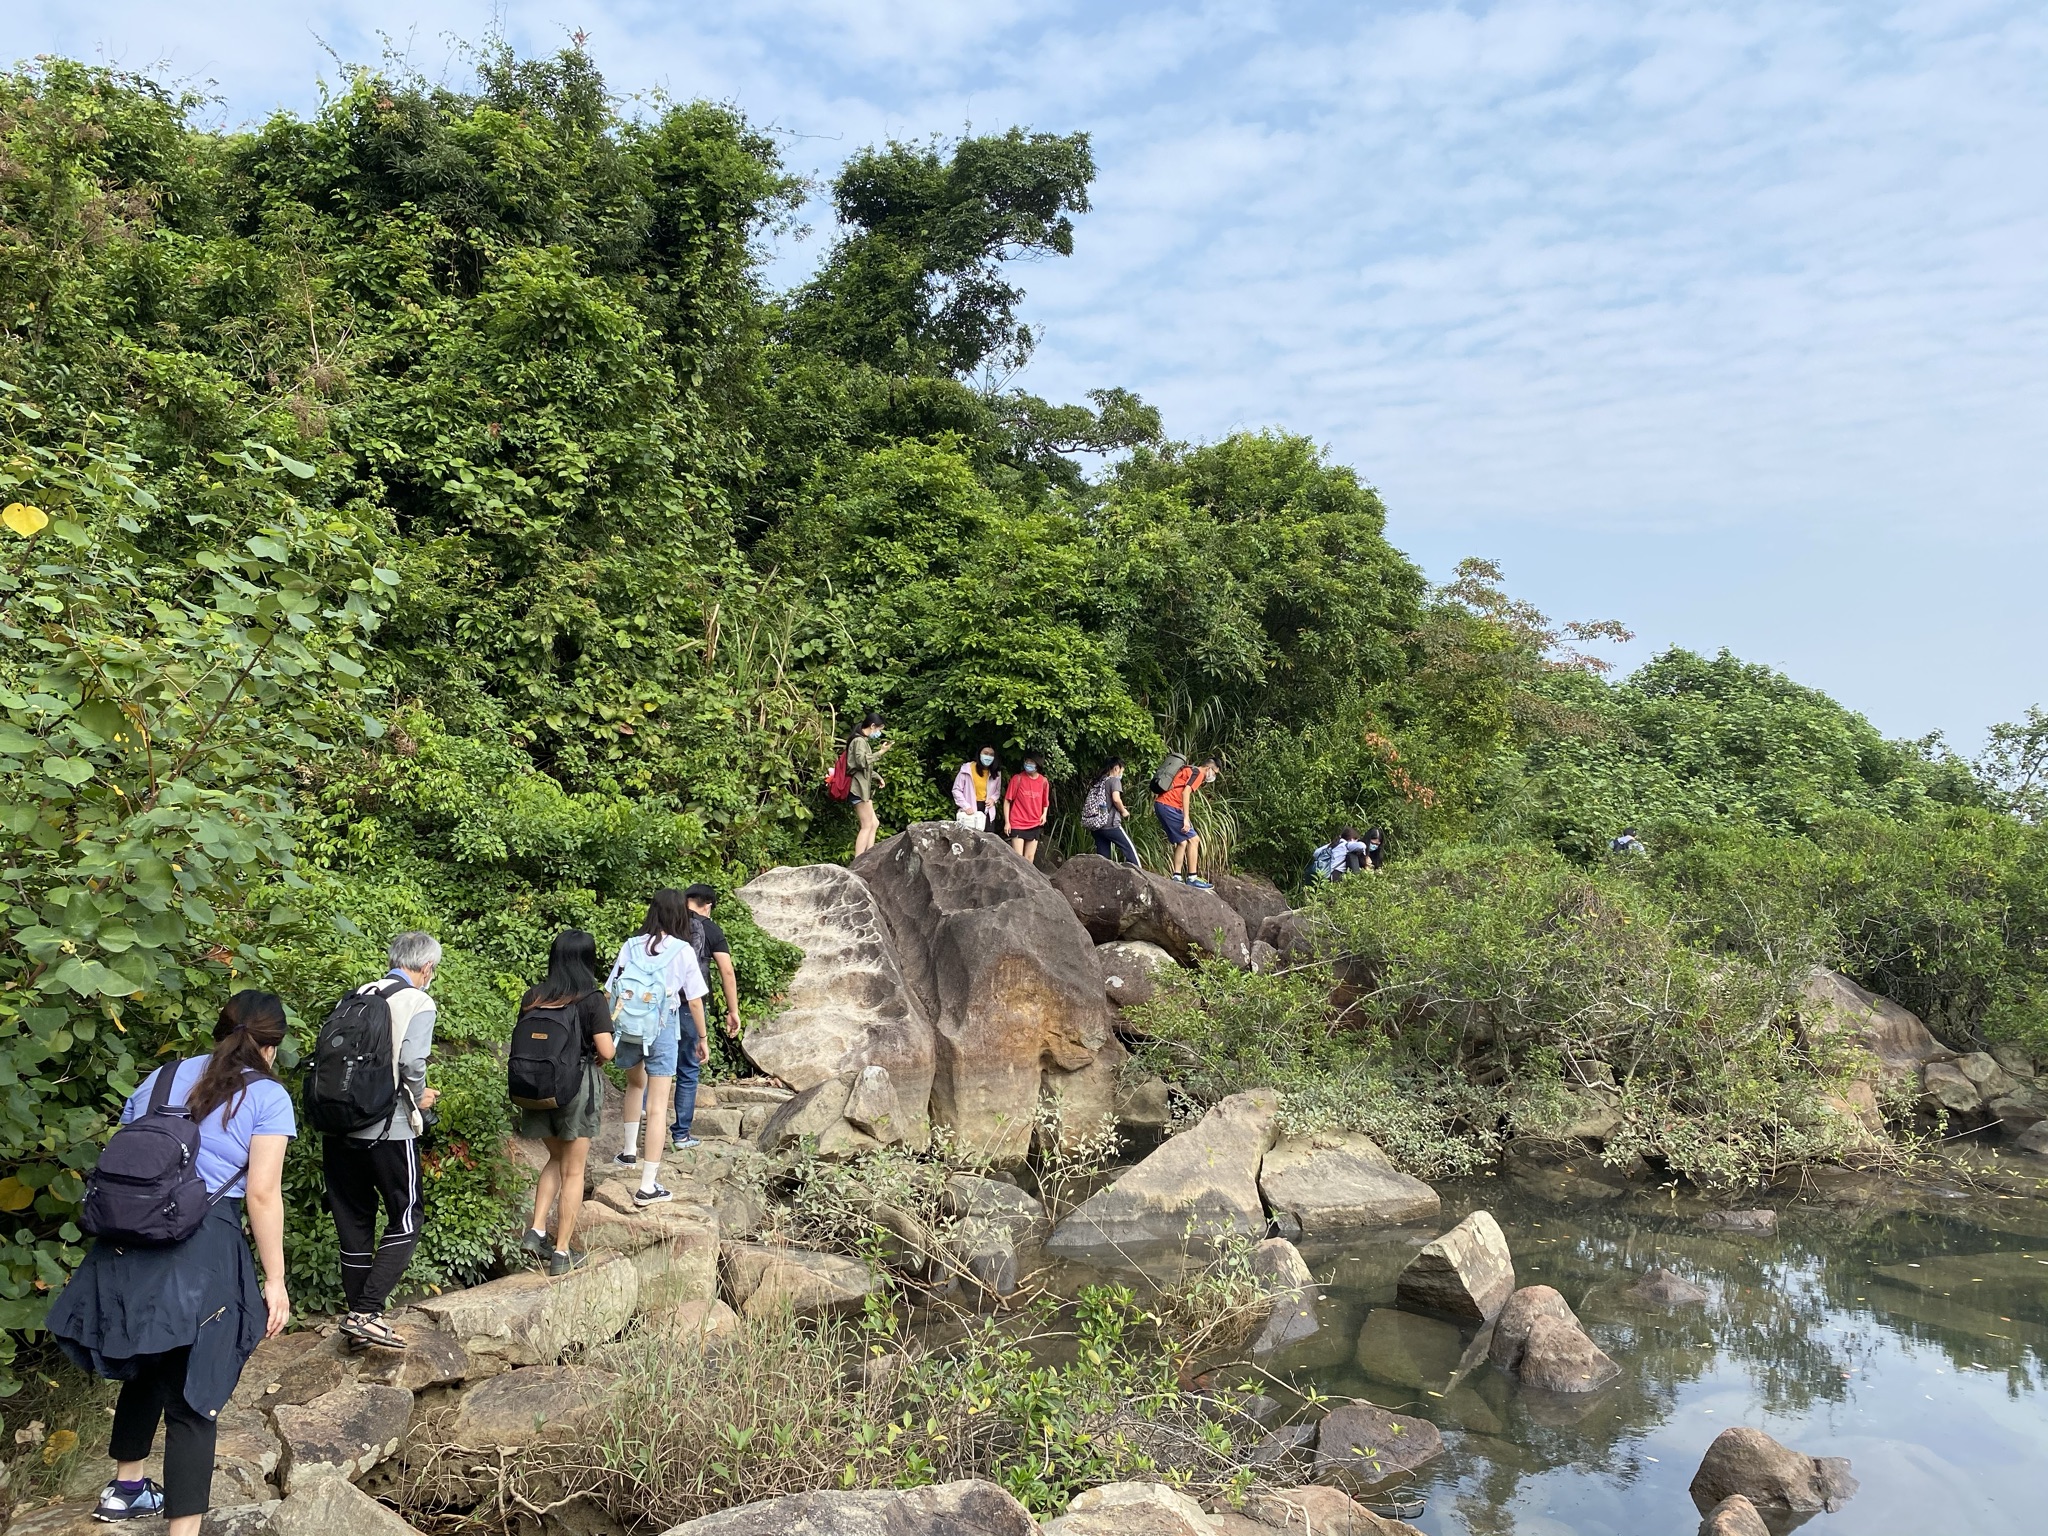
x: 1114, y: 837
x: 686, y: 1086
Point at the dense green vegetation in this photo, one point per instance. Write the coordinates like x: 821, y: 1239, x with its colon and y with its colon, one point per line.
x: 422, y: 514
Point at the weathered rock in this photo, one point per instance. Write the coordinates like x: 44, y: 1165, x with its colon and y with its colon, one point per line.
x: 342, y: 1433
x: 1131, y: 1509
x: 674, y: 1248
x: 293, y: 1368
x: 2015, y: 1060
x: 546, y: 1403
x: 1287, y: 935
x: 744, y: 1094
x: 246, y: 1453
x: 1116, y: 901
x: 431, y: 1358
x: 973, y: 1200
x: 1894, y: 1044
x: 1362, y: 1446
x: 1734, y: 1516
x: 696, y: 1323
x: 332, y: 1506
x: 818, y: 1115
x: 1254, y: 900
x: 1284, y: 1275
x: 1406, y: 1350
x: 1661, y: 1288
x: 1128, y: 968
x: 259, y: 1519
x: 1199, y: 1188
x: 1518, y: 1316
x: 2018, y: 1113
x: 1559, y: 1357
x: 994, y: 957
x: 532, y: 1318
x: 966, y: 1508
x: 848, y: 1006
x: 1467, y: 1273
x: 1314, y: 1511
x: 1778, y: 1480
x: 761, y: 1279
x: 1264, y: 956
x: 1147, y: 1105
x: 1757, y: 1223
x: 1290, y: 1447
x: 873, y: 1108
x: 721, y: 1124
x: 1945, y: 1088
x: 1986, y: 1075
x: 2033, y: 1140
x: 1111, y: 899
x: 1330, y: 1182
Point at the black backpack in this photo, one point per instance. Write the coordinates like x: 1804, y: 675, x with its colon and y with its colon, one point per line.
x: 353, y: 1083
x: 544, y: 1068
x: 146, y: 1189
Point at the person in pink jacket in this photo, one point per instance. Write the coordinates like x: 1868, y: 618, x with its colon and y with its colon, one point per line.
x: 978, y: 790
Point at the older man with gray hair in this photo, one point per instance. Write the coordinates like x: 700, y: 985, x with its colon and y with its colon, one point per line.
x: 379, y: 1164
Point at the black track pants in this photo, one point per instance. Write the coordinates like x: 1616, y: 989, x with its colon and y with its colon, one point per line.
x: 360, y: 1175
x: 157, y: 1391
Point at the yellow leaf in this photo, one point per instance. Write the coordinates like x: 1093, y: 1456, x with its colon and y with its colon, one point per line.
x: 62, y: 1443
x: 15, y: 1195
x: 25, y: 520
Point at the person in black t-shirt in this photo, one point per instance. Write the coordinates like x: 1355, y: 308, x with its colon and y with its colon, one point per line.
x: 714, y: 959
x: 566, y: 1132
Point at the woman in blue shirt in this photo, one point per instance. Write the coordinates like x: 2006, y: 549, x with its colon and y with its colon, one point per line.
x: 174, y: 1325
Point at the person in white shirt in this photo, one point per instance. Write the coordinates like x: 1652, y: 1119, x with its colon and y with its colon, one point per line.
x: 656, y: 984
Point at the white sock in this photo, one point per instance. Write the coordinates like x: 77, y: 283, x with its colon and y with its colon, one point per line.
x: 632, y: 1136
x: 647, y: 1173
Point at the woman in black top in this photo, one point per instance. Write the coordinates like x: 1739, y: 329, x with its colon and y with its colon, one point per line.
x: 571, y: 981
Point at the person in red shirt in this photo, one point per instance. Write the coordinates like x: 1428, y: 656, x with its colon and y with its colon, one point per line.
x: 1025, y: 804
x: 1172, y: 810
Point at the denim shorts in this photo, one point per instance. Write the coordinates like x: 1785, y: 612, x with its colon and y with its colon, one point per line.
x: 658, y: 1055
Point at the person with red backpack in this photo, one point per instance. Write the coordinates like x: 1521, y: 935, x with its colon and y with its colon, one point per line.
x: 861, y: 754
x: 166, y: 1300
x: 563, y: 1035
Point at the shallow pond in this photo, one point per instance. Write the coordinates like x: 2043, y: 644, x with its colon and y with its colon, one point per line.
x: 1906, y: 1330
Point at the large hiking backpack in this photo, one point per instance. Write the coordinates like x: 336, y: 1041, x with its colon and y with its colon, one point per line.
x: 839, y: 783
x: 146, y: 1189
x: 354, y: 1081
x: 545, y: 1065
x: 640, y: 994
x: 1169, y: 770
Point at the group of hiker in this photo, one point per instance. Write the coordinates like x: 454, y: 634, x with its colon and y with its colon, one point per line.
x: 167, y: 1301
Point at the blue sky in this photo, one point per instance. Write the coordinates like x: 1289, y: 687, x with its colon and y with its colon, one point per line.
x: 1729, y: 321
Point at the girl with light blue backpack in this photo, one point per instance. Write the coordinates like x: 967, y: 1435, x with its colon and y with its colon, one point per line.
x: 654, y: 983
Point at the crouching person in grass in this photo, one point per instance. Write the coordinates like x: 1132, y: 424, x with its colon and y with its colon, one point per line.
x: 557, y: 1084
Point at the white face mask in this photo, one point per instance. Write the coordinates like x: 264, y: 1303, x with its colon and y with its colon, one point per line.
x: 1031, y: 767
x: 987, y: 761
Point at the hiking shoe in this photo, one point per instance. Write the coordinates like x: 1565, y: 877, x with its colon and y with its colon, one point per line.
x: 684, y: 1142
x: 130, y: 1504
x: 369, y: 1328
x: 1178, y: 879
x: 536, y: 1243
x: 626, y: 1160
x: 1199, y: 883
x: 654, y: 1196
x: 563, y: 1261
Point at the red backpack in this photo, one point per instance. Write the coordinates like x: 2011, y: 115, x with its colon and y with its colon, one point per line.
x: 839, y: 783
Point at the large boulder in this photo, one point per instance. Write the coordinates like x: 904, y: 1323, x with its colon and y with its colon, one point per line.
x: 966, y: 1508
x: 993, y: 956
x: 1892, y: 1044
x: 1200, y: 1188
x: 1519, y: 1314
x: 1253, y: 899
x: 1128, y: 967
x: 763, y: 1278
x: 1330, y: 1182
x: 545, y: 1404
x: 1131, y: 1509
x: 1782, y: 1483
x: 847, y: 1007
x: 1559, y: 1357
x: 1363, y: 1446
x: 818, y: 1116
x: 873, y: 1106
x: 1946, y: 1089
x: 1467, y: 1273
x: 1118, y: 901
x: 340, y: 1434
x: 1111, y: 899
x: 332, y: 1506
x: 533, y: 1319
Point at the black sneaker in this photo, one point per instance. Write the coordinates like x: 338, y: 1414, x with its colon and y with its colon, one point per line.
x: 626, y: 1160
x: 536, y: 1243
x: 562, y: 1262
x: 117, y: 1505
x: 654, y: 1196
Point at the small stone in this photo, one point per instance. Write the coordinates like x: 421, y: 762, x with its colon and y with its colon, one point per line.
x: 1759, y: 1223
x: 872, y: 1106
x: 1362, y: 1446
x: 1778, y: 1480
x: 1734, y: 1516
x: 1661, y: 1288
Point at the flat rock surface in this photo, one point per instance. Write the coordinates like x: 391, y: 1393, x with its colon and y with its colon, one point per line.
x: 332, y: 1506
x: 966, y: 1508
x: 1332, y: 1181
x: 532, y: 1318
x: 1362, y: 1446
x: 1200, y: 1187
x: 763, y: 1278
x: 528, y: 1407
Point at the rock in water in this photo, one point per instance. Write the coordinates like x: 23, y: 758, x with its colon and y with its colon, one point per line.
x: 966, y: 1508
x: 1760, y: 1223
x: 1518, y: 1316
x: 1314, y: 1511
x: 993, y: 956
x: 1661, y: 1288
x: 1361, y: 1446
x: 1404, y: 1350
x: 1284, y: 1275
x: 1332, y: 1181
x: 1559, y: 1357
x: 1467, y: 1273
x: 1779, y: 1481
x: 1734, y: 1516
x: 1199, y: 1188
x: 847, y: 1006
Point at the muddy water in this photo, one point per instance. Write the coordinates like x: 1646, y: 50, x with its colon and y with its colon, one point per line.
x: 1906, y: 1330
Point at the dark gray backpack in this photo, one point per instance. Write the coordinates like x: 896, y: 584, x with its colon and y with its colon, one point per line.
x: 146, y: 1189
